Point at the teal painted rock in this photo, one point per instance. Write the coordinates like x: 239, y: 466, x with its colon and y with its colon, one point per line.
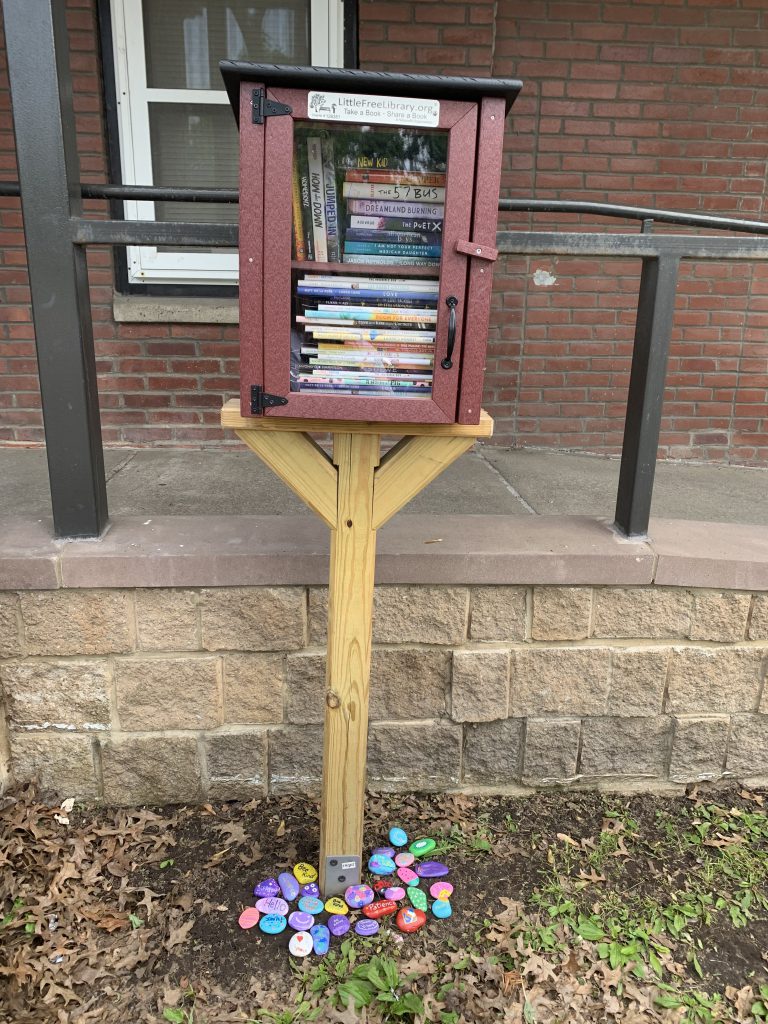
x: 397, y: 837
x: 442, y: 908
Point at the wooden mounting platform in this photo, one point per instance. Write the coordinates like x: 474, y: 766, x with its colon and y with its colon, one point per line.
x: 354, y: 491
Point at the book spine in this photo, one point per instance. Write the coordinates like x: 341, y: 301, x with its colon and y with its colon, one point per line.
x: 395, y: 193
x: 321, y: 315
x: 299, y: 249
x: 411, y: 261
x: 317, y: 198
x: 393, y: 237
x: 306, y: 202
x: 396, y: 177
x: 389, y: 249
x: 332, y: 225
x: 424, y: 224
x: 363, y: 293
x: 381, y: 208
x: 390, y: 346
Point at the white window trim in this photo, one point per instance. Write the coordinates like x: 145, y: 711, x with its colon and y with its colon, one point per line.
x: 145, y: 264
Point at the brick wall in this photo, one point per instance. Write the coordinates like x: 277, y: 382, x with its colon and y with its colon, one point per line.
x: 160, y: 696
x: 655, y: 103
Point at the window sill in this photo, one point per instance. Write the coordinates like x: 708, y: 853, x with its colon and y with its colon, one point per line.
x: 150, y: 309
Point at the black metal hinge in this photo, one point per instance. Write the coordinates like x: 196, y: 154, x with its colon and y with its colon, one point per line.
x: 262, y: 107
x: 260, y: 400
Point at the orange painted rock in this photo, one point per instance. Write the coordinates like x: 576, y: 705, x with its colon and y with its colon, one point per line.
x: 380, y: 908
x: 409, y: 919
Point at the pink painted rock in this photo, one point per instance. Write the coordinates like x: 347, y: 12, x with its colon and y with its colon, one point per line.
x: 249, y: 918
x: 407, y: 876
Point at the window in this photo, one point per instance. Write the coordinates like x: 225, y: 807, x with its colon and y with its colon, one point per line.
x: 174, y: 119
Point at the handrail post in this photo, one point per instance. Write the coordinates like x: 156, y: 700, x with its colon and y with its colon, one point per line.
x: 655, y: 313
x: 44, y: 123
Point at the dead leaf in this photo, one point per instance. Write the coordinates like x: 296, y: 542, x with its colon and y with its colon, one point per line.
x: 280, y: 830
x: 178, y: 935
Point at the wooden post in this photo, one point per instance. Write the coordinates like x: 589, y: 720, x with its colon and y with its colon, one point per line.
x: 355, y: 493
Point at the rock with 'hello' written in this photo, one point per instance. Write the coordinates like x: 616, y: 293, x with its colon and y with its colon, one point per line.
x: 272, y: 905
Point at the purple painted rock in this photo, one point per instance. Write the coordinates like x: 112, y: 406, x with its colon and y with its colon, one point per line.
x: 311, y: 905
x: 310, y: 889
x: 441, y: 890
x: 381, y: 908
x: 358, y: 896
x: 366, y: 926
x: 431, y: 869
x: 381, y: 865
x: 338, y: 924
x: 288, y: 886
x: 395, y: 893
x: 404, y: 860
x: 409, y: 919
x: 268, y: 887
x: 300, y: 922
x: 321, y: 939
x: 248, y: 918
x: 407, y: 876
x: 383, y: 851
x: 272, y: 905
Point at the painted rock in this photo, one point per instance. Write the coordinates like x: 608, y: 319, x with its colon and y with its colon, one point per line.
x: 300, y: 944
x: 289, y: 887
x: 381, y: 908
x: 417, y: 897
x: 310, y: 889
x: 409, y: 919
x: 249, y: 917
x: 300, y: 922
x: 383, y: 851
x: 431, y: 869
x: 404, y: 860
x: 338, y: 924
x: 321, y: 939
x: 268, y: 887
x: 380, y: 885
x: 407, y: 876
x: 395, y: 893
x: 305, y: 873
x: 273, y: 924
x: 366, y: 927
x: 421, y: 847
x: 336, y: 905
x: 442, y: 908
x: 381, y: 865
x: 358, y: 896
x: 272, y: 905
x: 441, y: 890
x: 397, y: 837
x: 311, y: 905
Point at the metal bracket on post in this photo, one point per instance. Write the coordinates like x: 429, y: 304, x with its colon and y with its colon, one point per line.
x: 341, y: 872
x: 261, y: 400
x: 262, y: 107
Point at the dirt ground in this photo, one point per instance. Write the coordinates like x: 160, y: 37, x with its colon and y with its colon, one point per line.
x: 567, y: 907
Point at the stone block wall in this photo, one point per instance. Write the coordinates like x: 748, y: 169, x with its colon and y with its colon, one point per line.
x: 167, y: 695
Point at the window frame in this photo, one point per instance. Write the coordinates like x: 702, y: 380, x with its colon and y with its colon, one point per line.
x: 142, y: 269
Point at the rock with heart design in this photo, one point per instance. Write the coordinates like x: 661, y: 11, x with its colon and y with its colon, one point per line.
x: 249, y: 917
x: 289, y: 887
x: 407, y: 876
x: 267, y: 887
x: 300, y: 944
x: 381, y: 908
x: 409, y: 919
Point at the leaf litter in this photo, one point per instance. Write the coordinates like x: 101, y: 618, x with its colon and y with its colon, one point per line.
x: 578, y: 907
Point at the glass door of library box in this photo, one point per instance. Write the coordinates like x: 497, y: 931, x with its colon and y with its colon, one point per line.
x: 363, y: 291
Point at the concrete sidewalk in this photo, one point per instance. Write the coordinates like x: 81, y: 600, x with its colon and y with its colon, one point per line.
x: 488, y: 481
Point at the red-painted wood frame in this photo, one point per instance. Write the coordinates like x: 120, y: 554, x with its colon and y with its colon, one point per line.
x: 472, y: 189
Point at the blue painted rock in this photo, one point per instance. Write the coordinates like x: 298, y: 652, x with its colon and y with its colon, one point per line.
x: 321, y: 939
x: 409, y: 919
x: 366, y: 926
x: 431, y: 869
x: 404, y: 860
x: 396, y: 892
x: 417, y: 897
x: 358, y: 896
x: 407, y: 876
x: 289, y: 887
x: 300, y: 944
x: 336, y: 905
x: 381, y: 865
x: 310, y: 889
x: 273, y: 924
x: 272, y: 905
x: 441, y: 890
x: 300, y: 922
x: 311, y: 905
x: 305, y: 873
x: 338, y: 924
x: 268, y: 887
x: 397, y: 837
x: 421, y: 847
x: 381, y: 908
x: 249, y: 917
x: 383, y: 851
x: 442, y: 908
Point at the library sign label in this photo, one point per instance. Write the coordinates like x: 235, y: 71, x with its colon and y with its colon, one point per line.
x: 399, y: 110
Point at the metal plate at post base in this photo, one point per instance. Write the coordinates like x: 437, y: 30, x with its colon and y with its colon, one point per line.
x: 340, y: 873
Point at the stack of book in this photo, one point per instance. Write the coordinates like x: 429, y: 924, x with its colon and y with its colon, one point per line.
x: 365, y: 335
x: 358, y: 215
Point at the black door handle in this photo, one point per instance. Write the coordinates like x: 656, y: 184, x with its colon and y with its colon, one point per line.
x: 451, y: 302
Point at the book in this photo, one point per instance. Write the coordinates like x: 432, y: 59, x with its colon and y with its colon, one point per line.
x: 299, y: 249
x: 362, y: 293
x: 306, y: 202
x: 378, y: 314
x: 360, y: 334
x: 395, y: 193
x: 396, y: 177
x: 352, y: 281
x: 332, y: 225
x: 418, y: 348
x: 317, y: 197
x: 392, y: 249
x: 382, y: 208
x: 376, y: 391
x: 411, y: 261
x: 393, y: 237
x: 425, y: 224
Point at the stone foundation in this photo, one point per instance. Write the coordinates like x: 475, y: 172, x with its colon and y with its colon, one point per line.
x: 164, y: 695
